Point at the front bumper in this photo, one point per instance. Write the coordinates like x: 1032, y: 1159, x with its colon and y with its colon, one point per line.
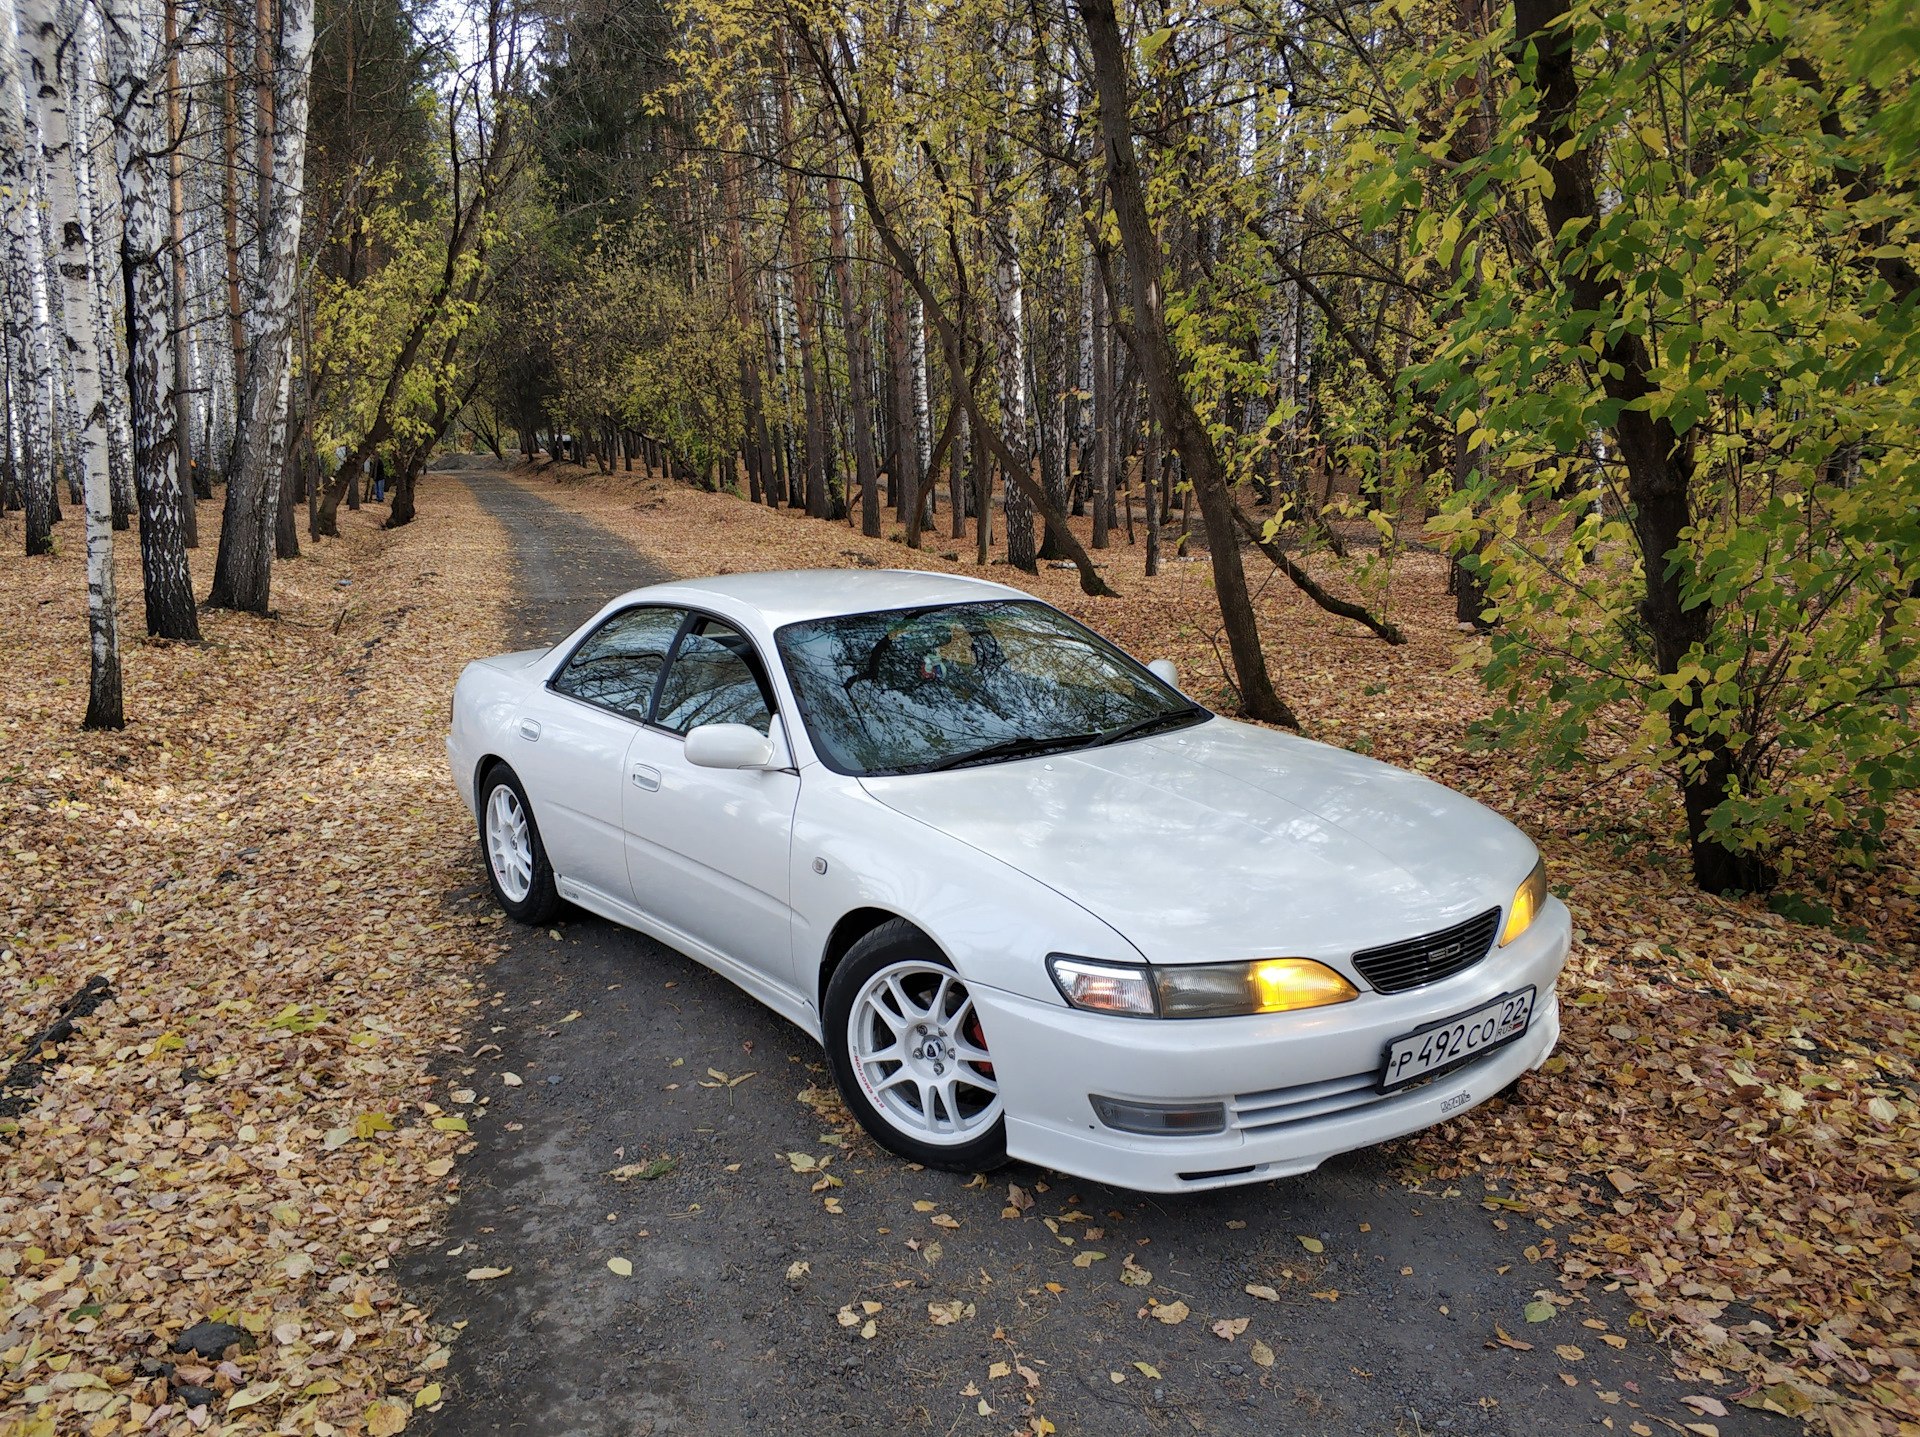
x: 1297, y: 1087
x: 462, y: 772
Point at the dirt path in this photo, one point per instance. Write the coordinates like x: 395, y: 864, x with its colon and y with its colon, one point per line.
x: 743, y: 1277
x: 564, y: 566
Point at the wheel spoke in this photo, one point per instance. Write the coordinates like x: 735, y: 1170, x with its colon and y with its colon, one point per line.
x: 909, y: 1010
x: 892, y: 1053
x: 972, y: 1077
x: 895, y: 1025
x: 929, y: 1094
x: 968, y: 1053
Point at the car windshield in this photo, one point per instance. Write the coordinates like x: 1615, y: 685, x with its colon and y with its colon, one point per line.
x: 908, y: 690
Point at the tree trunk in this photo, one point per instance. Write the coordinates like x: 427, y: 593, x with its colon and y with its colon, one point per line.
x: 236, y: 356
x: 92, y: 129
x: 48, y: 47
x: 1102, y: 420
x: 1010, y: 314
x: 243, y: 570
x: 905, y: 463
x: 134, y: 54
x: 1050, y: 398
x: 859, y: 365
x: 1150, y: 488
x: 26, y: 340
x: 177, y: 295
x: 957, y: 478
x: 1162, y: 372
x: 405, y: 482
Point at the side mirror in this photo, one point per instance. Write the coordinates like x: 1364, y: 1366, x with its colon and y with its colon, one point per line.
x: 1163, y: 670
x: 729, y: 745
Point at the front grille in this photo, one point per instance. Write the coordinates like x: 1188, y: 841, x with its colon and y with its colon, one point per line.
x: 1396, y: 967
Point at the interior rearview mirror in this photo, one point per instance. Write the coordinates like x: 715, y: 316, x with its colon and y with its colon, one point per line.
x: 728, y: 745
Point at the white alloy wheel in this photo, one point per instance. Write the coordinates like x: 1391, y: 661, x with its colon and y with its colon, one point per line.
x: 919, y: 1054
x: 509, y: 844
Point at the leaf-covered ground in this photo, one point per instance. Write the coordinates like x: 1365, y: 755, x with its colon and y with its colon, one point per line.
x: 245, y: 1130
x: 1730, y: 1124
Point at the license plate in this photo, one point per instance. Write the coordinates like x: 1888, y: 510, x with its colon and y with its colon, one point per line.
x: 1453, y: 1041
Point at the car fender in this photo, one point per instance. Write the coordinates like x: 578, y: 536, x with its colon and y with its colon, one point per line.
x: 851, y: 852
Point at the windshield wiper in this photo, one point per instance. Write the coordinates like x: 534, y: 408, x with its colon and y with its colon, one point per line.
x: 1148, y: 725
x: 1012, y: 748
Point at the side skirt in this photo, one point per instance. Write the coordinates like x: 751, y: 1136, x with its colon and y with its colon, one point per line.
x: 784, y: 1001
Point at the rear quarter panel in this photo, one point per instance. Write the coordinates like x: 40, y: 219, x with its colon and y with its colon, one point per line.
x: 488, y: 693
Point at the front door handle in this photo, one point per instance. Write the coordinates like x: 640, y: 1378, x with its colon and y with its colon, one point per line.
x: 529, y: 728
x: 647, y: 778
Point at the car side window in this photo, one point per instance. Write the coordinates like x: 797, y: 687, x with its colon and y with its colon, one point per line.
x: 716, y: 677
x: 620, y: 661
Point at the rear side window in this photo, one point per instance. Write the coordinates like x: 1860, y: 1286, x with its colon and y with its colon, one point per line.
x: 716, y: 678
x: 619, y: 662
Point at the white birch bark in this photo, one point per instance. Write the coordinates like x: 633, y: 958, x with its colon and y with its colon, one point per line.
x: 243, y: 571
x: 922, y: 416
x: 136, y: 64
x: 63, y: 414
x: 93, y: 171
x: 46, y: 47
x: 27, y: 357
x: 1011, y: 335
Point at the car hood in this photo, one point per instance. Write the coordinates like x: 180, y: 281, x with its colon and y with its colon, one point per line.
x: 1225, y: 841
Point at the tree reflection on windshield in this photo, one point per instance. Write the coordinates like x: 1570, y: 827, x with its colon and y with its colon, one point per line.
x: 910, y: 689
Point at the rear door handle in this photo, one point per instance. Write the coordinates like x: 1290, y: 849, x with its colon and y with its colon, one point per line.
x: 647, y: 778
x: 529, y: 728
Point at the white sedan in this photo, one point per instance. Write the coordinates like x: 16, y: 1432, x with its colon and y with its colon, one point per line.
x: 1032, y: 900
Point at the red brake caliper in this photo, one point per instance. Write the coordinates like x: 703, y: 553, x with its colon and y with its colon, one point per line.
x: 977, y: 1037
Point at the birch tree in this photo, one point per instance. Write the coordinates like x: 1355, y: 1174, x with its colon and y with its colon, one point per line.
x: 136, y: 67
x: 27, y: 361
x: 243, y: 568
x: 48, y: 48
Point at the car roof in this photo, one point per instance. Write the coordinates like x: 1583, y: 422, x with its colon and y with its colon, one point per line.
x: 791, y: 595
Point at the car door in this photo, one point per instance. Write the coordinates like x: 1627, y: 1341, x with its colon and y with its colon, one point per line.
x: 707, y: 849
x: 569, y: 744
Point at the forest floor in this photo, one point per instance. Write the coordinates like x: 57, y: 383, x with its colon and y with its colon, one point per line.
x: 245, y: 1130
x: 265, y: 1123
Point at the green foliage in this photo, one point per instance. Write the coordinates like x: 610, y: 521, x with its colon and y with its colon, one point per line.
x: 360, y: 324
x: 1743, y: 251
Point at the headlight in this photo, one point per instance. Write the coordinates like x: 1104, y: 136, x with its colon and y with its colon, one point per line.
x: 1210, y: 990
x: 1527, y: 903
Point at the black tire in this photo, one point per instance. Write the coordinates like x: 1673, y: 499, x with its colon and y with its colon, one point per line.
x: 898, y: 942
x: 541, y: 902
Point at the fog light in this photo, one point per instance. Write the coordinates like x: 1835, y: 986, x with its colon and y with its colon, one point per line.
x: 1160, y: 1120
